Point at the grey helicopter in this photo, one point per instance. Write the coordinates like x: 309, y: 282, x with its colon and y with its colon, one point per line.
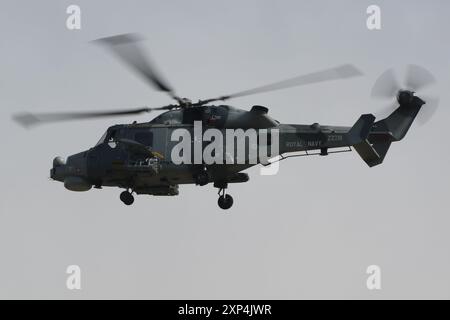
x: 138, y: 157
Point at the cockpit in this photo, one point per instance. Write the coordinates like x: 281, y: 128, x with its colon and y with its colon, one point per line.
x: 102, y: 139
x: 110, y: 135
x: 209, y: 115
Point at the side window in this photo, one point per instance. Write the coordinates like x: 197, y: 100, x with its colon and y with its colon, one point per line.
x: 111, y: 136
x: 144, y: 137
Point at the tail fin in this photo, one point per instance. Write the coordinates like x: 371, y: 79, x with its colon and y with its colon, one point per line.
x: 361, y: 129
x: 399, y: 121
x: 393, y: 128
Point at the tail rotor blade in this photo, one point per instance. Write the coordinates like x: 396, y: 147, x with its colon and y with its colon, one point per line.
x: 386, y: 86
x: 428, y: 109
x: 385, y: 111
x: 418, y: 78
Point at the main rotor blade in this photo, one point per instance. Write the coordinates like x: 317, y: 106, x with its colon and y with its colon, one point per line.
x: 29, y: 120
x: 418, y: 78
x: 340, y: 72
x: 127, y: 49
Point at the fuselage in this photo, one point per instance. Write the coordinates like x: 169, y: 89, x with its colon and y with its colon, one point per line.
x: 145, y: 157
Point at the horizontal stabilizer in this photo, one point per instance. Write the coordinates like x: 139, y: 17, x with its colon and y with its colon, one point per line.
x: 372, y: 154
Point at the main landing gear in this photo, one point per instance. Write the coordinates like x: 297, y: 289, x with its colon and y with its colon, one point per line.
x: 225, y: 200
x: 127, y: 197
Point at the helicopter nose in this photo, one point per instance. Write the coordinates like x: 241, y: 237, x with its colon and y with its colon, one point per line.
x: 75, y: 166
x: 58, y: 169
x: 58, y: 162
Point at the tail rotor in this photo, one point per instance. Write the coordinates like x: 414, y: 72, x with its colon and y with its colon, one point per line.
x: 417, y: 81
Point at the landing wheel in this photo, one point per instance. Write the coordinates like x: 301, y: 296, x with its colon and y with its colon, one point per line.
x: 127, y: 198
x: 225, y: 201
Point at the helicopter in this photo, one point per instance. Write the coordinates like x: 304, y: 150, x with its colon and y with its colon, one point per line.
x: 138, y: 157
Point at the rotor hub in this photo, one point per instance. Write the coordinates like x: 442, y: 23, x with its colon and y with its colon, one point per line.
x: 405, y: 96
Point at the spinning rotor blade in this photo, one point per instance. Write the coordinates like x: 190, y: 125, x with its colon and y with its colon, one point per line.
x: 386, y: 110
x: 127, y: 49
x: 386, y: 86
x: 416, y: 79
x: 428, y: 109
x: 341, y: 72
x: 28, y: 120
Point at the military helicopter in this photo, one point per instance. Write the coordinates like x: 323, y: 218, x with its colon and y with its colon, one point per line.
x: 137, y: 157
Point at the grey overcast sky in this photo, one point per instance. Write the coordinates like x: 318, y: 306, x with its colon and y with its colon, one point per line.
x: 308, y: 232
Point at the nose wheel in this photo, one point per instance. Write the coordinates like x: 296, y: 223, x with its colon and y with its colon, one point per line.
x: 202, y: 177
x: 225, y: 201
x: 127, y: 198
